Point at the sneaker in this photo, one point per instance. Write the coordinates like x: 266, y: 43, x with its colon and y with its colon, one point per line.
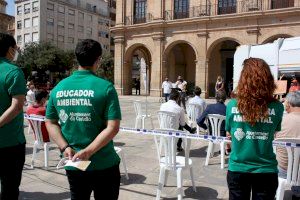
x: 179, y: 149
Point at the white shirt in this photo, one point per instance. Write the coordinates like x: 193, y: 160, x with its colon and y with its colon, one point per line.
x: 182, y: 85
x: 172, y: 106
x: 167, y: 86
x: 30, y: 97
x: 199, y: 101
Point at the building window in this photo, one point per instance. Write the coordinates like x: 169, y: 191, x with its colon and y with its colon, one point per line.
x: 80, y: 15
x: 89, y: 31
x: 80, y: 29
x: 35, y: 6
x: 61, y: 9
x: 89, y: 17
x: 19, y: 39
x: 27, y: 38
x: 50, y: 21
x: 26, y: 8
x: 61, y: 38
x: 61, y: 24
x: 71, y: 12
x: 71, y: 26
x: 140, y: 8
x: 275, y: 4
x: 19, y: 10
x: 50, y: 37
x: 50, y: 6
x: 181, y: 9
x: 226, y: 6
x: 35, y: 37
x: 71, y: 40
x: 103, y: 34
x: 19, y: 24
x: 35, y: 21
x: 27, y: 23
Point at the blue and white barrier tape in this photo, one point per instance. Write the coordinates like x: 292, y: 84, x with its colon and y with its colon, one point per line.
x: 34, y: 117
x: 183, y: 134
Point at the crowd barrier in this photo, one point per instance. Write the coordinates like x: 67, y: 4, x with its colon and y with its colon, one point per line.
x: 179, y: 134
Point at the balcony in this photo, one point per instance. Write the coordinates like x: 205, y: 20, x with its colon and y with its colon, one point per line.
x: 139, y: 19
x: 277, y: 4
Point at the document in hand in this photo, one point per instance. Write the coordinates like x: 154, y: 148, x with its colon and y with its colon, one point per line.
x: 79, y: 164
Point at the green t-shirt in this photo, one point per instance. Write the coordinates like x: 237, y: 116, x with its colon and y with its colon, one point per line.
x: 12, y: 83
x: 83, y: 103
x: 252, y: 149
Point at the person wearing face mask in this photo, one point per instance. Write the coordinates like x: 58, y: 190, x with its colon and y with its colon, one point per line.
x: 39, y: 108
x: 12, y: 139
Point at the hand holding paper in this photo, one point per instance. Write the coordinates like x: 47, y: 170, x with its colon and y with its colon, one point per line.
x: 79, y: 164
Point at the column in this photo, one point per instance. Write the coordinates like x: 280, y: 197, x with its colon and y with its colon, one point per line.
x: 158, y: 10
x: 120, y: 12
x: 119, y: 64
x: 157, y: 64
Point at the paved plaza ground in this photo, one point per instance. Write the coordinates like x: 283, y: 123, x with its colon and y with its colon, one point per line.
x: 142, y: 164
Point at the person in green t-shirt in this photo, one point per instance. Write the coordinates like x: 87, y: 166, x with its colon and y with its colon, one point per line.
x: 83, y: 116
x: 12, y: 139
x: 251, y: 121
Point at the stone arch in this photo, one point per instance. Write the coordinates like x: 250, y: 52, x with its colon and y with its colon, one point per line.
x: 220, y: 62
x: 275, y: 37
x: 180, y: 59
x: 138, y: 53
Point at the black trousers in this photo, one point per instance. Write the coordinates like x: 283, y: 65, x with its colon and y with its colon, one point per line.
x: 104, y: 183
x: 186, y: 127
x: 13, y: 159
x: 263, y: 185
x: 182, y: 99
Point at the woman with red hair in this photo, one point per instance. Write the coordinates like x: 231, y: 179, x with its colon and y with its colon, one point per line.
x: 251, y: 121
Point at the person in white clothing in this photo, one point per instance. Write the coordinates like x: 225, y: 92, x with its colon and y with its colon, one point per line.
x: 172, y: 106
x: 198, y: 100
x: 181, y: 84
x: 167, y: 87
x: 30, y: 96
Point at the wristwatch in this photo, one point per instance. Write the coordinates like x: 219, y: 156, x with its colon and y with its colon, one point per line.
x: 63, y: 149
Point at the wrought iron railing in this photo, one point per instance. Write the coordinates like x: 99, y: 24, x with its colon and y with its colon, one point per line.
x: 277, y: 4
x: 138, y: 19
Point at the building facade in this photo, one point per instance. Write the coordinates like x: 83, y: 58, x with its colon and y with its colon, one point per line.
x: 64, y: 23
x: 7, y: 21
x: 193, y: 38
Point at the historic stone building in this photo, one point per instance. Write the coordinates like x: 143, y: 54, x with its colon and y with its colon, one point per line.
x: 193, y: 38
x: 6, y: 21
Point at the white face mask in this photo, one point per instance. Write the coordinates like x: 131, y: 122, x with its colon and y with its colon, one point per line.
x: 16, y: 56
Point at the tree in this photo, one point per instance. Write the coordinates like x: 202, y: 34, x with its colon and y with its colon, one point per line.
x: 45, y: 56
x: 106, y: 68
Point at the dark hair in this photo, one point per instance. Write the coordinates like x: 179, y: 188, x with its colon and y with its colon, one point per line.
x: 39, y: 95
x: 87, y: 52
x: 6, y: 41
x: 197, y: 91
x: 221, y: 96
x: 174, y: 95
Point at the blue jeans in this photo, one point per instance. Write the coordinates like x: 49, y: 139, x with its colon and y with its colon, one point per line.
x: 166, y: 95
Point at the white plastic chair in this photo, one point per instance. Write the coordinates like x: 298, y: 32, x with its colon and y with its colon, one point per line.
x: 121, y: 154
x: 140, y: 117
x: 193, y: 112
x: 35, y: 122
x: 293, y: 170
x: 215, y: 121
x: 166, y: 152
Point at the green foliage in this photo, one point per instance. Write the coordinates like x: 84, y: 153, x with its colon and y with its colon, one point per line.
x: 106, y: 68
x: 45, y: 56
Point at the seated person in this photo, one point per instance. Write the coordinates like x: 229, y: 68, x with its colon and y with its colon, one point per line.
x: 38, y: 108
x: 217, y: 108
x: 290, y: 127
x: 173, y: 106
x: 198, y: 100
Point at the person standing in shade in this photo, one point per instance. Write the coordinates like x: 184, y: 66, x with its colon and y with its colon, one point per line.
x: 181, y: 84
x: 83, y: 116
x: 12, y: 139
x: 219, y: 84
x: 137, y: 85
x: 252, y: 119
x: 167, y: 87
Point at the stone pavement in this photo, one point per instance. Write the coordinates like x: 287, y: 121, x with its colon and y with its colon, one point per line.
x: 142, y: 164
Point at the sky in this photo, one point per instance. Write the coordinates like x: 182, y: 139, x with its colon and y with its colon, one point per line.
x: 10, y: 7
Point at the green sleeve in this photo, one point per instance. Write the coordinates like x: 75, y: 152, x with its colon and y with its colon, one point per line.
x: 280, y: 114
x: 51, y: 112
x: 228, y: 115
x: 112, y: 109
x: 16, y: 83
